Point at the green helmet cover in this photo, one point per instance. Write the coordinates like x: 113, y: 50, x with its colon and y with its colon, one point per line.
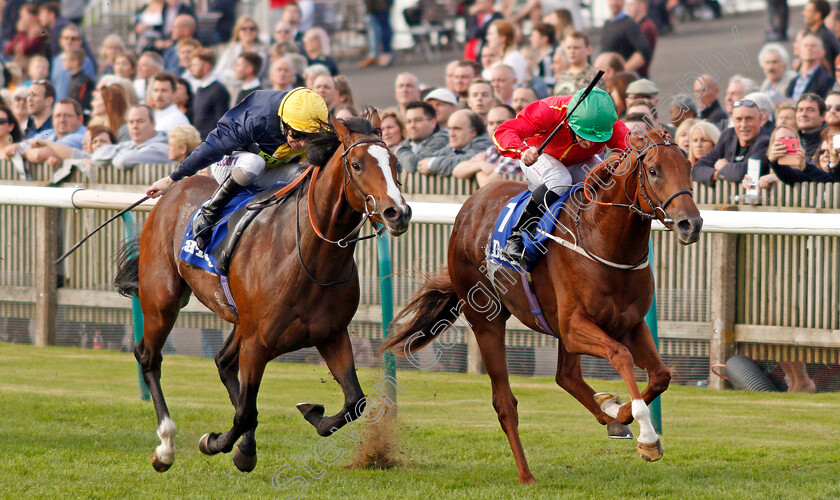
x: 594, y: 119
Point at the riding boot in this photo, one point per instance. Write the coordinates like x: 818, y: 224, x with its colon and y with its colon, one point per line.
x: 514, y: 249
x: 209, y: 214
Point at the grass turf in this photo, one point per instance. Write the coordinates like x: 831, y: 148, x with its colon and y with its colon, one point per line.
x: 73, y: 426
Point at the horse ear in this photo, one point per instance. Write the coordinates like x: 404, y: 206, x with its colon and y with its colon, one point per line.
x: 375, y: 120
x: 637, y: 141
x: 340, y: 129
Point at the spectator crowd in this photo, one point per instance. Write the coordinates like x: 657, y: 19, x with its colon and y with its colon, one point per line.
x: 156, y: 98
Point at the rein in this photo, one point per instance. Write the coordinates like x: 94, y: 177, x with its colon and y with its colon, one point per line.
x: 341, y: 242
x: 646, y: 192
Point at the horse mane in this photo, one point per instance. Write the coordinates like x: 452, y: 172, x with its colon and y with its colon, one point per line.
x: 323, y: 145
x: 604, y: 173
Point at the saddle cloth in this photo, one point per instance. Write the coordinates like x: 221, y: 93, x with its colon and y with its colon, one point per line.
x: 508, y: 217
x: 235, y: 209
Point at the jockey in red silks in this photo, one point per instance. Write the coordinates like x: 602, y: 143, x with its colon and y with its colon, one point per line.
x: 574, y: 151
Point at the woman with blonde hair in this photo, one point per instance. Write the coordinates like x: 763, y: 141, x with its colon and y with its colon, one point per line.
x: 393, y: 128
x: 345, y: 93
x: 112, y: 47
x: 683, y: 133
x: 246, y: 38
x: 183, y: 139
x: 501, y: 35
x: 701, y: 140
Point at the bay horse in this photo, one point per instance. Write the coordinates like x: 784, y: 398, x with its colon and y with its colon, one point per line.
x: 293, y: 280
x: 595, y: 299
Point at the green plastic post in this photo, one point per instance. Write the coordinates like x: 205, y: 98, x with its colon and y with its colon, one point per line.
x: 656, y: 404
x: 383, y: 250
x: 136, y: 311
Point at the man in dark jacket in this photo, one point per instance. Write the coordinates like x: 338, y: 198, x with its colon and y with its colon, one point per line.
x: 737, y: 144
x: 810, y: 120
x: 211, y: 99
x: 706, y: 91
x: 814, y: 14
x: 812, y: 76
x: 622, y: 34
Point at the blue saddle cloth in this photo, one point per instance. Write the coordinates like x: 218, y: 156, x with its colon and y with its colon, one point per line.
x: 206, y: 260
x: 507, y: 219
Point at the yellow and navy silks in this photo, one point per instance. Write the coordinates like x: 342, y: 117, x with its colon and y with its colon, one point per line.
x: 252, y: 125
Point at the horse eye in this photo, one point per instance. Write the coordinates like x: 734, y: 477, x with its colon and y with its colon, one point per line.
x: 356, y: 166
x: 652, y: 171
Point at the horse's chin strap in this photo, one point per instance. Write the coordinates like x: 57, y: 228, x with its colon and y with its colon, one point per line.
x: 368, y: 210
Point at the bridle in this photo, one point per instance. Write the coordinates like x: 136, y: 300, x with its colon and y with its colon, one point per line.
x: 366, y: 216
x: 646, y: 192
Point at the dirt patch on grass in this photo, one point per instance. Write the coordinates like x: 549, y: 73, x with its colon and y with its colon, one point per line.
x: 379, y: 448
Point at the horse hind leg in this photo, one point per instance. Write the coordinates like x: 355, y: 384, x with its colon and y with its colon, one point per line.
x: 570, y: 378
x: 490, y: 336
x: 227, y: 361
x: 252, y: 361
x: 338, y: 354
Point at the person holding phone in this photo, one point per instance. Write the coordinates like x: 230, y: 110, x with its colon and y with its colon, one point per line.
x: 790, y: 165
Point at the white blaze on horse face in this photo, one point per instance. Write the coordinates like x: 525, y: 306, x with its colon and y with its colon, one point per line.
x: 384, y: 159
x: 166, y: 432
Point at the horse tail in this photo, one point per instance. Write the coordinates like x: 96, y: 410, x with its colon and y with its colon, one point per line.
x: 127, y: 280
x: 435, y: 302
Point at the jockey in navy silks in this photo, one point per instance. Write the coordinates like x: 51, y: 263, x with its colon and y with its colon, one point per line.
x: 258, y: 143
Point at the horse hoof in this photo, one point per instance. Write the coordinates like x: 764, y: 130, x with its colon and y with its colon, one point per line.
x: 243, y: 462
x: 602, y: 398
x: 617, y: 430
x: 204, y: 445
x: 650, y: 452
x: 312, y: 413
x: 529, y: 479
x: 159, y: 465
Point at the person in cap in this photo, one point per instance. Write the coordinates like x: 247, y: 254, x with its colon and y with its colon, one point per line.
x: 565, y: 160
x: 642, y: 89
x: 444, y: 101
x: 259, y: 142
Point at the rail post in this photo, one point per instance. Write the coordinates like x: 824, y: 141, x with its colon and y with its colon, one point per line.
x: 386, y: 292
x: 136, y: 311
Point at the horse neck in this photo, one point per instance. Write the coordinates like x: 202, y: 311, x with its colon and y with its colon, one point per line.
x: 616, y: 233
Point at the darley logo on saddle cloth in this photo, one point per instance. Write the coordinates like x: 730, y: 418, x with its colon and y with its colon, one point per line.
x: 206, y: 260
x: 508, y: 217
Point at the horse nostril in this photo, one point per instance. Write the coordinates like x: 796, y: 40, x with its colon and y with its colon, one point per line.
x: 407, y: 213
x: 684, y: 226
x: 391, y: 214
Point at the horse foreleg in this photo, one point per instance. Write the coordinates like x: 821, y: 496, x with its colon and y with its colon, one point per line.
x: 252, y: 361
x: 643, y: 349
x: 490, y: 337
x: 570, y: 378
x: 227, y: 361
x: 584, y: 337
x: 157, y: 323
x: 337, y: 351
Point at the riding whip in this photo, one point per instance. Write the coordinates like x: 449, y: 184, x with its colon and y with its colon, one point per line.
x: 77, y: 245
x: 562, y: 122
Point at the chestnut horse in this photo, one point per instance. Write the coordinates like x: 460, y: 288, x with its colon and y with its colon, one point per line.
x: 293, y: 280
x: 595, y: 299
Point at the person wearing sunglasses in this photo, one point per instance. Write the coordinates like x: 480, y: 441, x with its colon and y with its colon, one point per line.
x: 566, y: 159
x: 743, y: 141
x: 258, y: 143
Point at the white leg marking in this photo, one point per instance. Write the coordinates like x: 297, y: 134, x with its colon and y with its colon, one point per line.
x: 166, y: 432
x: 611, y: 406
x: 642, y: 415
x: 384, y: 159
